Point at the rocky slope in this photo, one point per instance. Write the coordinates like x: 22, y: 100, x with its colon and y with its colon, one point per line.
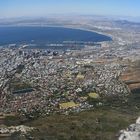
x: 132, y: 76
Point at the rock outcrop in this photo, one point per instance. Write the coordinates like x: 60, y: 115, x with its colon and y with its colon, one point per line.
x: 13, y: 129
x: 132, y: 132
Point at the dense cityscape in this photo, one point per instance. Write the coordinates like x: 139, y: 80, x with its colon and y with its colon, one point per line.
x: 40, y: 82
x: 69, y: 76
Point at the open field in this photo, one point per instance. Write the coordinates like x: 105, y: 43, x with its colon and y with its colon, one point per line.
x: 99, y: 124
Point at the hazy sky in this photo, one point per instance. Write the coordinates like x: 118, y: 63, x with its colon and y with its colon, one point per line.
x: 14, y: 8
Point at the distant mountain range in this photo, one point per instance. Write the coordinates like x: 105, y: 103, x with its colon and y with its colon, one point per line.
x: 57, y: 19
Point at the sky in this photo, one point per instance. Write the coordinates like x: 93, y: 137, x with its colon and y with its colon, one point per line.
x: 19, y: 8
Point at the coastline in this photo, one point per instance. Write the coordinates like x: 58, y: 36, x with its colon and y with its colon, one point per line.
x: 65, y: 26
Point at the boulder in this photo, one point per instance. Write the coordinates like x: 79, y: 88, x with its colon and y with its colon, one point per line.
x: 132, y: 132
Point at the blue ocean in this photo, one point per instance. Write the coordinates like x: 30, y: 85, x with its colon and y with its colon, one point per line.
x: 10, y: 35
